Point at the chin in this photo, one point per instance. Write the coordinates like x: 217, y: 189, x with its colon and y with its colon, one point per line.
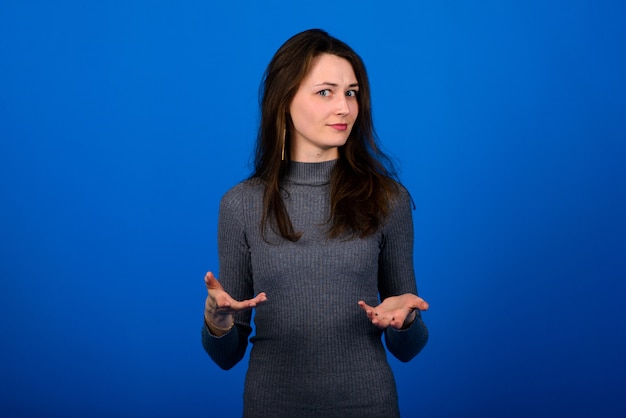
x: 338, y: 144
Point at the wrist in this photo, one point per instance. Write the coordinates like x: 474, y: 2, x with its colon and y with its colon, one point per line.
x: 217, y: 330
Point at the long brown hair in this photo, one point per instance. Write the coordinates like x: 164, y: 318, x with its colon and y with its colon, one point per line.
x: 363, y: 179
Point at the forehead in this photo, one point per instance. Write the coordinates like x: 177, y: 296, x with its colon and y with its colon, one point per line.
x: 330, y: 68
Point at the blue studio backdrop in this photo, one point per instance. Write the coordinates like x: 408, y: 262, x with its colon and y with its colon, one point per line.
x: 122, y: 123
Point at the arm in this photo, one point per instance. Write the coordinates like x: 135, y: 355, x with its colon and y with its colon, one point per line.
x: 228, y: 349
x: 396, y: 278
x: 219, y: 311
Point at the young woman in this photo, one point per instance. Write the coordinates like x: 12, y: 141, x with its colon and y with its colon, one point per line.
x: 319, y: 240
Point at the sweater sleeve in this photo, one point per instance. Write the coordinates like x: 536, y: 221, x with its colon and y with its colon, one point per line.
x: 236, y: 278
x: 396, y: 276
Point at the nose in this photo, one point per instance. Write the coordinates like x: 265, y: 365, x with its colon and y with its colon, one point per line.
x: 342, y: 105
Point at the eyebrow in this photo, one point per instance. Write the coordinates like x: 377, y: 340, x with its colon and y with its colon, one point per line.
x: 327, y: 83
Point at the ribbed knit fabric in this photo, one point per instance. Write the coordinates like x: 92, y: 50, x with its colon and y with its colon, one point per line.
x: 315, y: 353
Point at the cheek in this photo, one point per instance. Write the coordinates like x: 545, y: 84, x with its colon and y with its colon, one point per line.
x: 303, y: 119
x: 299, y: 115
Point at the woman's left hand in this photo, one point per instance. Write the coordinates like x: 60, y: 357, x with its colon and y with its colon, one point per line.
x: 395, y: 311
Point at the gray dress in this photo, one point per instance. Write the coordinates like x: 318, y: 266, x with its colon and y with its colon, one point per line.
x: 314, y: 353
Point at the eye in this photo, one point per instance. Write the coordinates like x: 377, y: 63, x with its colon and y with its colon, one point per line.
x: 352, y: 93
x: 325, y: 92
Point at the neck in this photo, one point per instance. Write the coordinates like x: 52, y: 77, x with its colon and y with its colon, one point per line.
x: 311, y: 173
x: 314, y: 155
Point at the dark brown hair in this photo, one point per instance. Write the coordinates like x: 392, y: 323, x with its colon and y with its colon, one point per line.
x: 363, y: 179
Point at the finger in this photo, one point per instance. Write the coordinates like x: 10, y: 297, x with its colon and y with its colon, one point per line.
x: 208, y: 279
x: 211, y: 282
x: 227, y: 304
x: 380, y: 321
x: 260, y: 298
x: 365, y: 306
x: 421, y: 304
x: 251, y: 303
x: 368, y: 309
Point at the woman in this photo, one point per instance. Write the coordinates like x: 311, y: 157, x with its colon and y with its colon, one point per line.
x: 318, y: 233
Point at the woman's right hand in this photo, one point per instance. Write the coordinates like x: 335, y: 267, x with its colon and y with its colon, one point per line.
x: 220, y: 306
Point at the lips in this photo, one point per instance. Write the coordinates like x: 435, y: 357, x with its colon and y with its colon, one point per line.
x: 339, y: 126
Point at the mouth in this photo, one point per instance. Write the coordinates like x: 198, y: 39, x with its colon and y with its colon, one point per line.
x: 339, y: 126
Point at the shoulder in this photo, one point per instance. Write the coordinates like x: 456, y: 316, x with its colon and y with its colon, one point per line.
x: 401, y: 197
x: 400, y: 205
x: 242, y: 194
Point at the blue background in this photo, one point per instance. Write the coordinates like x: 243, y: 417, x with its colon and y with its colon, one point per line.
x: 123, y: 122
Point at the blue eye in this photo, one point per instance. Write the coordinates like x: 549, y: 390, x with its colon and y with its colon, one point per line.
x: 351, y: 93
x: 325, y: 92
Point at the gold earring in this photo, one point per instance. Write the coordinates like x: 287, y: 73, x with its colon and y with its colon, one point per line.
x: 282, y: 154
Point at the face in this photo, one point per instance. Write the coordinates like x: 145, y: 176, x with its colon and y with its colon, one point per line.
x: 323, y: 110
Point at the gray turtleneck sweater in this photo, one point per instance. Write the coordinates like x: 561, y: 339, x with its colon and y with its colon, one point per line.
x: 315, y: 353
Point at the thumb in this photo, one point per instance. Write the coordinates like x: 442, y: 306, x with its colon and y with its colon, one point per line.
x: 421, y: 304
x: 211, y: 282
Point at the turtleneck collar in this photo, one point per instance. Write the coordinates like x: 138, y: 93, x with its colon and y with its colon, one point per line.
x: 310, y: 174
